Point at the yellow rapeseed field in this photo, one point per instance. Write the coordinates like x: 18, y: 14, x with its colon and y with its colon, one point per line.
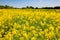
x: 29, y: 24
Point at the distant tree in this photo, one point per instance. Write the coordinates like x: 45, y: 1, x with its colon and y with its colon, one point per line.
x: 23, y: 8
x: 31, y: 7
x: 27, y: 7
x: 6, y: 7
x: 1, y: 7
x: 57, y: 7
x: 36, y: 8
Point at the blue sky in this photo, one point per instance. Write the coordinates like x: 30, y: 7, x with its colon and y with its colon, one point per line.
x: 34, y: 3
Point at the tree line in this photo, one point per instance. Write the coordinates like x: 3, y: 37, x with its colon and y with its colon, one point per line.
x: 7, y: 7
x: 27, y: 7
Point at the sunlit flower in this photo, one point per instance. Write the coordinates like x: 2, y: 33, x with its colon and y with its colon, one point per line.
x: 29, y: 24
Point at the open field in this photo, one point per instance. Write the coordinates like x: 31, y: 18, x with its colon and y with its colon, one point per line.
x: 29, y: 24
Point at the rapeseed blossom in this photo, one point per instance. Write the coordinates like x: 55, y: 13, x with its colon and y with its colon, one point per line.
x: 29, y: 24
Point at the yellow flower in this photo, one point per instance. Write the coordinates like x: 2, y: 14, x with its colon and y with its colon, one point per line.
x: 25, y: 35
x: 46, y: 30
x: 32, y: 27
x: 51, y: 28
x: 33, y: 38
x: 21, y: 38
x: 0, y: 35
x: 26, y: 17
x: 58, y: 27
x: 58, y: 38
x: 50, y: 35
x: 14, y: 31
x: 16, y: 25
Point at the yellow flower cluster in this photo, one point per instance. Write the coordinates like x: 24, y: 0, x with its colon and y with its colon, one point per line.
x: 29, y: 24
